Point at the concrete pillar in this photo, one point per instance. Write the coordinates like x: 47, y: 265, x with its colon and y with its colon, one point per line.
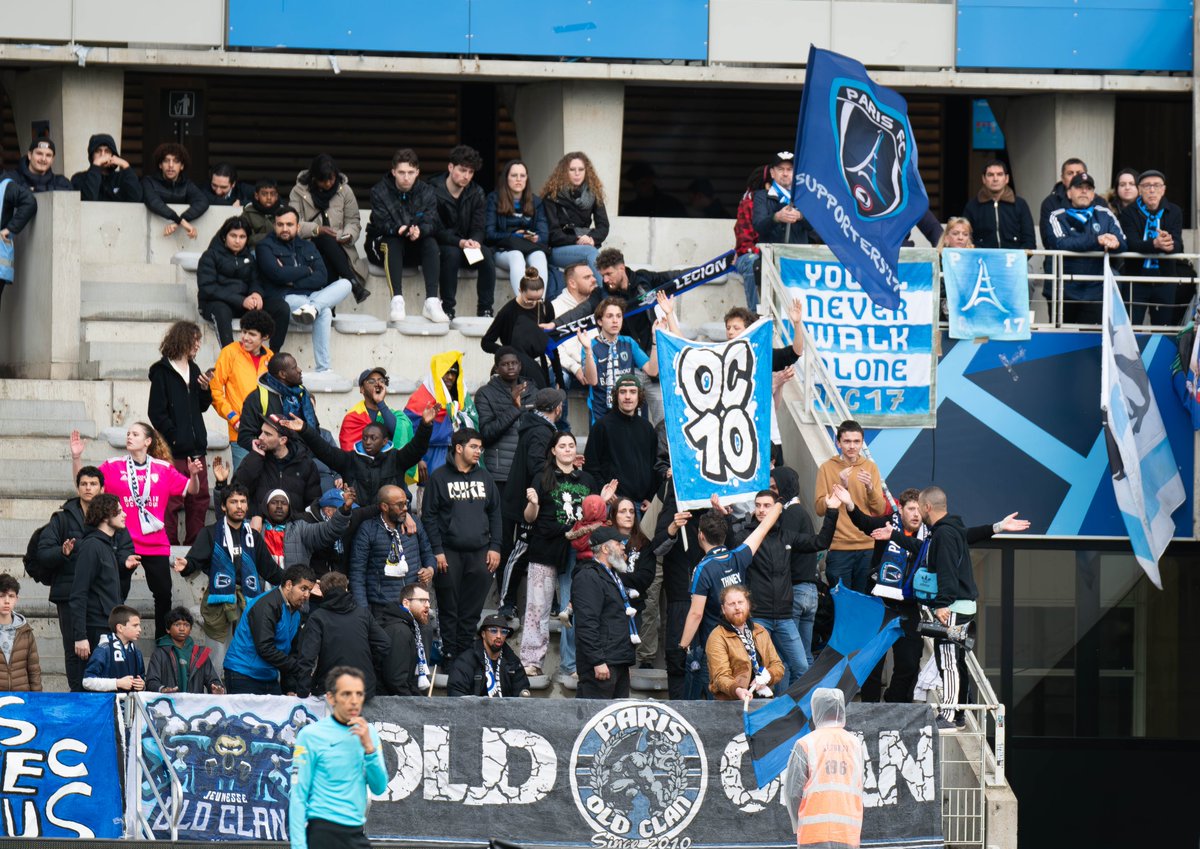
x: 553, y: 118
x: 1043, y: 130
x: 77, y: 102
x: 41, y: 309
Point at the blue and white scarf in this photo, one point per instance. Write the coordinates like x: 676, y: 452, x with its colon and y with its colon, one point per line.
x: 783, y: 194
x: 630, y: 612
x: 491, y: 676
x: 230, y: 567
x: 1153, y: 228
x: 422, y: 663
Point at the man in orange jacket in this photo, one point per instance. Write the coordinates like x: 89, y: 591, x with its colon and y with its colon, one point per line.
x: 237, y: 371
x: 823, y: 784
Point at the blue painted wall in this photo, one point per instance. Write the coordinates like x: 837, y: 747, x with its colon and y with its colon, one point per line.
x: 1018, y: 428
x: 1100, y: 35
x: 608, y: 29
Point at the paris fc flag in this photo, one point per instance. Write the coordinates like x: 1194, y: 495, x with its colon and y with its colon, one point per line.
x: 987, y: 292
x: 856, y: 171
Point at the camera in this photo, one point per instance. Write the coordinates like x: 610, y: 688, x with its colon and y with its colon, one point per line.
x: 964, y: 635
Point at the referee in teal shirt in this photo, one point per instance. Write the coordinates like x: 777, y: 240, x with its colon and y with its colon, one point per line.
x: 334, y: 762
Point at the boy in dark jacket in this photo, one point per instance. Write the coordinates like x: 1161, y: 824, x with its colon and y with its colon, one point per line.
x: 116, y: 665
x: 109, y: 177
x: 35, y: 170
x: 96, y: 584
x: 404, y: 217
x: 462, y: 517
x: 489, y: 668
x: 171, y: 185
x: 178, y: 665
x: 461, y: 205
x: 339, y: 633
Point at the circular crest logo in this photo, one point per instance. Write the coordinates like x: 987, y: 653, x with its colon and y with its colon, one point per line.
x: 638, y: 772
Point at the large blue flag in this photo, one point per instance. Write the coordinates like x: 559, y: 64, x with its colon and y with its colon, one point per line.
x: 863, y: 630
x: 856, y: 171
x: 1146, y: 480
x: 717, y: 410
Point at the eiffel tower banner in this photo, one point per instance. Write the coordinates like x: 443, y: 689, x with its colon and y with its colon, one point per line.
x: 882, y: 360
x: 856, y: 179
x: 987, y: 293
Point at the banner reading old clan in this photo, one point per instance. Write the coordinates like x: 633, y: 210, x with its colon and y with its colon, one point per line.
x: 882, y: 360
x: 629, y: 774
x: 987, y: 293
x: 717, y: 408
x: 59, y: 755
x: 233, y: 755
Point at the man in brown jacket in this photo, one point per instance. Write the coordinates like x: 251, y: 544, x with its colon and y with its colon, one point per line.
x: 742, y: 661
x: 849, y: 558
x: 20, y: 669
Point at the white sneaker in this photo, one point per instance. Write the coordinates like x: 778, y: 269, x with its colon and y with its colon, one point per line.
x: 306, y: 314
x: 396, y: 310
x: 434, y: 312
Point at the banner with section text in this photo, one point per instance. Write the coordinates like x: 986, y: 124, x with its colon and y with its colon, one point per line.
x: 630, y: 774
x: 883, y: 361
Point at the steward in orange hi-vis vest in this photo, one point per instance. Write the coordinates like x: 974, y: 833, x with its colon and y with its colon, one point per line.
x: 824, y: 779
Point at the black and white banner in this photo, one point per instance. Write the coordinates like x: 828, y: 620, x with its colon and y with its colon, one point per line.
x: 633, y: 774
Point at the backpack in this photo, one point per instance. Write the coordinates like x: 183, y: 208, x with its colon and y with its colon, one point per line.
x: 34, y: 567
x: 922, y: 583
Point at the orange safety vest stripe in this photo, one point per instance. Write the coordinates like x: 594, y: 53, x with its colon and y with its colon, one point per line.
x: 831, y: 807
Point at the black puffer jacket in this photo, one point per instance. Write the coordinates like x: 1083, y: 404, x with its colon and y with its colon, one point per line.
x: 534, y: 433
x: 96, y: 184
x: 364, y: 472
x: 158, y: 191
x: 769, y: 577
x: 567, y: 222
x: 340, y: 633
x: 225, y: 276
x: 498, y: 420
x: 398, y: 673
x: 1003, y: 222
x: 67, y: 524
x: 601, y: 626
x: 295, y: 474
x: 462, y: 217
x: 48, y: 182
x: 392, y: 209
x: 177, y: 409
x: 20, y: 207
x: 467, y: 678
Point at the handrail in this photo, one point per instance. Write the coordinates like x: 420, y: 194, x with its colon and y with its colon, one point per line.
x: 138, y: 822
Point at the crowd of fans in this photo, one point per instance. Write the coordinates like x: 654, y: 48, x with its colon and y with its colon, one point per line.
x: 319, y: 556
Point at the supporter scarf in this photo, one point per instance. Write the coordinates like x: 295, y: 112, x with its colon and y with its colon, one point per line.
x: 746, y: 635
x: 151, y: 524
x: 296, y: 400
x: 630, y: 613
x: 224, y: 571
x: 781, y: 193
x: 1150, y: 233
x: 396, y: 565
x: 422, y: 663
x: 1083, y: 216
x: 322, y: 197
x: 893, y: 566
x: 582, y: 197
x: 491, y: 675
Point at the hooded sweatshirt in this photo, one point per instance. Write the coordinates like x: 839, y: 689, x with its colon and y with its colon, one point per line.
x: 624, y: 447
x: 458, y: 410
x: 340, y: 633
x: 48, y: 182
x: 462, y: 510
x: 119, y: 184
x: 871, y: 500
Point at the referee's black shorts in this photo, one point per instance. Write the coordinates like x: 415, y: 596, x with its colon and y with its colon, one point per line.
x: 323, y: 834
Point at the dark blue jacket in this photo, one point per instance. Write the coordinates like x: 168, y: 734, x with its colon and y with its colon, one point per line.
x: 1068, y: 233
x: 372, y: 545
x: 770, y: 230
x: 500, y: 228
x: 290, y: 268
x: 114, y: 659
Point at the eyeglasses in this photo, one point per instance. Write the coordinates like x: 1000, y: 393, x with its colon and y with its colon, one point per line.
x: 377, y: 381
x: 1154, y: 187
x: 493, y: 630
x: 424, y: 600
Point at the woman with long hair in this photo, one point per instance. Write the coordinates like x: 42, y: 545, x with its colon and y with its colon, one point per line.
x: 516, y: 225
x: 641, y: 567
x: 519, y: 324
x: 1124, y: 191
x: 145, y: 479
x: 228, y: 285
x: 553, y: 505
x: 329, y: 219
x: 179, y: 395
x: 957, y: 234
x: 573, y: 199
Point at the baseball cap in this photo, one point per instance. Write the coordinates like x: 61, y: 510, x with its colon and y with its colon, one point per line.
x: 781, y: 157
x: 44, y: 141
x: 548, y: 399
x: 1083, y: 179
x: 627, y: 380
x: 605, y: 534
x: 379, y: 370
x: 331, y: 497
x: 495, y: 621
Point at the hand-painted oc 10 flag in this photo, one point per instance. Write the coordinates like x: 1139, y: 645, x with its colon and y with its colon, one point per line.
x: 856, y: 171
x: 717, y: 408
x: 1146, y: 480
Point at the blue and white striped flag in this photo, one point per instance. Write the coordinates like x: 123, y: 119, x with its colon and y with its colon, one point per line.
x: 1146, y: 480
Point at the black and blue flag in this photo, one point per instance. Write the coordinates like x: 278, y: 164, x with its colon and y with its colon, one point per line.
x: 863, y: 630
x: 856, y: 178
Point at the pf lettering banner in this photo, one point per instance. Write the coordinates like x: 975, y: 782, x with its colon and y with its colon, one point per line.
x: 882, y: 360
x: 59, y: 769
x: 233, y: 755
x: 628, y: 774
x: 856, y: 178
x: 717, y: 408
x: 987, y: 293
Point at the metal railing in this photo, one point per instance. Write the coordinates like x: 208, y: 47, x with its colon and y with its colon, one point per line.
x: 138, y: 825
x: 966, y: 774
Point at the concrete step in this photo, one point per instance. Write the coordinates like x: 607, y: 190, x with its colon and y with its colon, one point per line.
x: 136, y: 302
x: 135, y: 347
x: 130, y: 272
x: 36, y: 478
x: 56, y: 448
x: 44, y: 418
